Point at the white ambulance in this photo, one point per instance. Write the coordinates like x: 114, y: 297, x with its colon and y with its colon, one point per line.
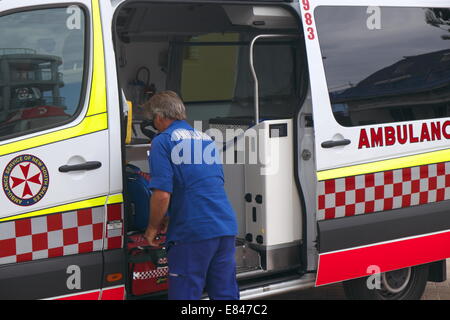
x: 350, y: 102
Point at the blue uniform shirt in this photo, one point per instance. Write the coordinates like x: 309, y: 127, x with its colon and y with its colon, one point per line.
x: 183, y: 162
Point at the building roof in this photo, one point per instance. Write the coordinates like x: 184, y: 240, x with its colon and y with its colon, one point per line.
x: 413, y: 74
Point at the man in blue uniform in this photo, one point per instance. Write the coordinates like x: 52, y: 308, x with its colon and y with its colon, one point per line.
x: 188, y: 185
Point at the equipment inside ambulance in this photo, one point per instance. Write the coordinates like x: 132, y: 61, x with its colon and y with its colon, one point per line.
x: 139, y: 89
x: 138, y: 189
x: 148, y: 270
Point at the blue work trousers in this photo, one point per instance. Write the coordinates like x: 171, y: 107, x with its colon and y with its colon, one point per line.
x: 203, y: 265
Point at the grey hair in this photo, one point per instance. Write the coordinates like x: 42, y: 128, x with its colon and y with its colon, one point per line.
x: 166, y: 104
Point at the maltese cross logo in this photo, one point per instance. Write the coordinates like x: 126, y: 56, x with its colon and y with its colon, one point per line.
x: 25, y: 180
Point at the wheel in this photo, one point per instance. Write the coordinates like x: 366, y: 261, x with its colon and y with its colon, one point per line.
x: 403, y: 284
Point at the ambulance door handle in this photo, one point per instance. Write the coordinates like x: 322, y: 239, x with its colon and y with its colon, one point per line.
x: 91, y: 165
x: 337, y: 143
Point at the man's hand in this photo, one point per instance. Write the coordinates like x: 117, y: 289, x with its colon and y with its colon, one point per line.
x: 151, y: 235
x: 159, y: 203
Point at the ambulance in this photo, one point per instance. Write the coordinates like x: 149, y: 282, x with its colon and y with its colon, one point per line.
x: 346, y: 105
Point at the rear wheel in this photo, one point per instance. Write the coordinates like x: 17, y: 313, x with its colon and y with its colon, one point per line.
x: 404, y: 284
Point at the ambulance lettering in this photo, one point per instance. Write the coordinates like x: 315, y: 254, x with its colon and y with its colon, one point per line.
x: 74, y: 280
x: 403, y: 134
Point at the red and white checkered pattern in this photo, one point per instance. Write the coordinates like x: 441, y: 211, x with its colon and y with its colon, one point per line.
x: 151, y: 274
x: 61, y: 234
x: 51, y: 236
x: 382, y: 191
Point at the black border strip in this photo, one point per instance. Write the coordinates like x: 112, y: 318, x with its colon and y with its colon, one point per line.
x: 47, y: 278
x: 371, y: 228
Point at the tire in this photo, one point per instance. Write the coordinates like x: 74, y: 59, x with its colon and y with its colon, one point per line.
x: 403, y: 284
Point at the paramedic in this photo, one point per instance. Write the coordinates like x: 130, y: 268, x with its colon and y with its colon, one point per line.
x: 201, y: 222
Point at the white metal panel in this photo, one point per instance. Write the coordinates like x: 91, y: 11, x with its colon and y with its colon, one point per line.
x: 112, y: 91
x: 278, y: 217
x: 387, y: 3
x: 68, y: 187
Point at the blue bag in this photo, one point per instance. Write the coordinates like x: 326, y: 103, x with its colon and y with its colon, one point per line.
x: 139, y: 194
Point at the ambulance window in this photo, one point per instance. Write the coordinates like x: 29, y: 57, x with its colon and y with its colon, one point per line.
x: 386, y: 64
x: 42, y: 55
x: 216, y: 79
x: 203, y: 79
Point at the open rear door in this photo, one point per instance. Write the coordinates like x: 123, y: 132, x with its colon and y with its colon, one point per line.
x: 381, y: 95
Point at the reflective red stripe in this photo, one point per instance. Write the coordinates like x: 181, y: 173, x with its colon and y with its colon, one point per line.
x: 82, y: 296
x: 117, y: 293
x: 354, y: 263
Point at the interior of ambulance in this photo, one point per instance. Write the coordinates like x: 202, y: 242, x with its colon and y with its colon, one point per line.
x: 211, y: 55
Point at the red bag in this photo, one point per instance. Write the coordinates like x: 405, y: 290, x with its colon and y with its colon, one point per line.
x: 148, y: 266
